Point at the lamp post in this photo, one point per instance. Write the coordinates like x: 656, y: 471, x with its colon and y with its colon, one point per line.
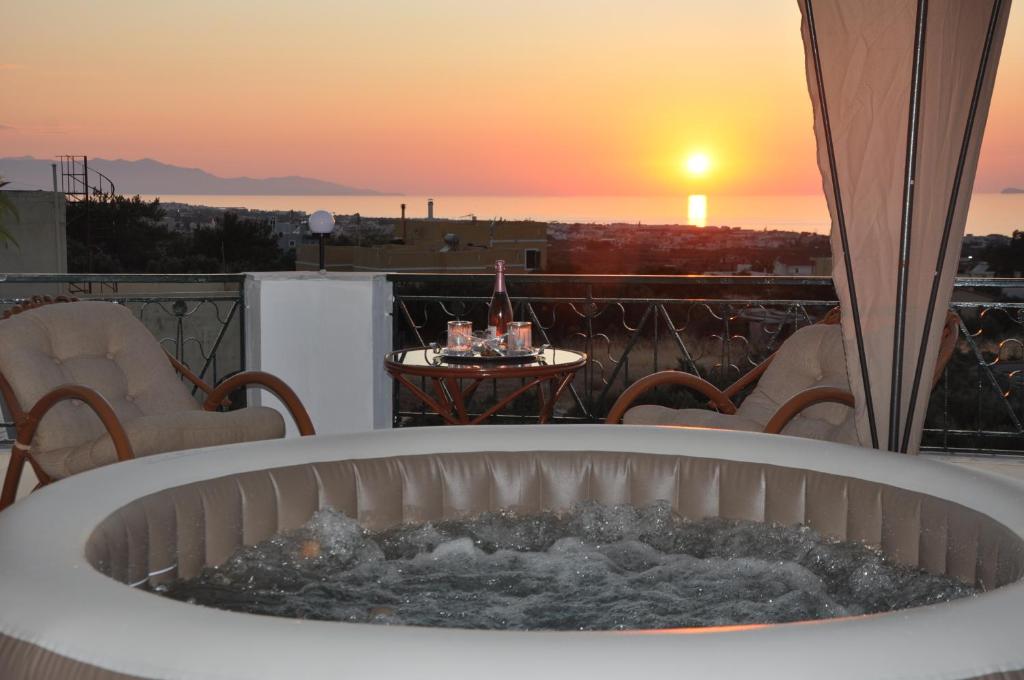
x: 321, y: 223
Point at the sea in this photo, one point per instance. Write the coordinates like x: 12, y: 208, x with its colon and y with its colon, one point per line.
x: 989, y: 213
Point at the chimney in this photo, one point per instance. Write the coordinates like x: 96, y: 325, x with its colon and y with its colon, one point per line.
x: 430, y: 208
x: 404, y: 235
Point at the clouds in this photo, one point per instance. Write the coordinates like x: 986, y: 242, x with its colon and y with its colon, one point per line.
x: 44, y: 130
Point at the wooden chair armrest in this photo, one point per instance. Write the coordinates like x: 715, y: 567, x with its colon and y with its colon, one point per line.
x: 800, y: 401
x: 27, y: 424
x: 626, y: 399
x: 187, y: 373
x: 270, y: 383
x: 93, y: 399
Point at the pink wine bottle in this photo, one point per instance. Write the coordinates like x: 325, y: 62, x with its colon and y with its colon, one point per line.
x: 499, y: 314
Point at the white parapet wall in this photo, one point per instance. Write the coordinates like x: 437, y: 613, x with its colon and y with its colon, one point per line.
x: 326, y: 336
x: 40, y: 234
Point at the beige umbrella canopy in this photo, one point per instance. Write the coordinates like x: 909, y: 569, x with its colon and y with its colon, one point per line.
x: 900, y: 90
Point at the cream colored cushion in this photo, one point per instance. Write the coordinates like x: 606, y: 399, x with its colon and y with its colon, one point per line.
x: 649, y: 414
x: 103, y: 346
x: 812, y: 357
x: 97, y: 344
x: 170, y: 432
x: 844, y: 432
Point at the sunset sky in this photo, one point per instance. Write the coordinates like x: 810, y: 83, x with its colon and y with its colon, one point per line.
x: 584, y: 97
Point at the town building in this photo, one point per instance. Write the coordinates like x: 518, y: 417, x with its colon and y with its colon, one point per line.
x: 433, y: 245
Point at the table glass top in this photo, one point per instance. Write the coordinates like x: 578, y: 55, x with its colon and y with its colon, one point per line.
x: 427, y: 357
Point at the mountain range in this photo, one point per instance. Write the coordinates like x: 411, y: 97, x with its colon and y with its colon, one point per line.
x: 147, y: 176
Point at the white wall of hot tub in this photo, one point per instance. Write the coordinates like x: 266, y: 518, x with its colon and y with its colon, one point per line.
x: 326, y: 336
x: 52, y: 596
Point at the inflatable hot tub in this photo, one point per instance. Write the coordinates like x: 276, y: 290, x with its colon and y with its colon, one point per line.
x: 70, y: 554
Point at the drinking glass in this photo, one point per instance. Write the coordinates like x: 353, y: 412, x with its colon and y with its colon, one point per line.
x: 520, y: 336
x: 460, y: 336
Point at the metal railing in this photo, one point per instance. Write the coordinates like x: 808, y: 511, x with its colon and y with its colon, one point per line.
x: 198, y: 318
x: 78, y: 181
x: 719, y: 328
x: 629, y: 326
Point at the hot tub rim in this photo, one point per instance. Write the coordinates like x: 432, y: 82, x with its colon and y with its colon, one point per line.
x: 79, y: 493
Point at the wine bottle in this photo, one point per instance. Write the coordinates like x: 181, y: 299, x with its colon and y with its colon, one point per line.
x: 499, y: 314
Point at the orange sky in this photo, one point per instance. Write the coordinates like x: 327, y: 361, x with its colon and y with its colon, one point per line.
x: 447, y: 96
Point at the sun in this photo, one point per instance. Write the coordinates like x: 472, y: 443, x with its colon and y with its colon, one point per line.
x: 697, y: 164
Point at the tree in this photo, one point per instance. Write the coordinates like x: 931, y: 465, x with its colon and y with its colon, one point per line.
x: 7, y: 211
x: 1008, y: 260
x: 113, y: 234
x: 241, y: 245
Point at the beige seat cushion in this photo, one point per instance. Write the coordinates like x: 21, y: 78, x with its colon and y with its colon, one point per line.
x: 800, y: 426
x: 103, y: 346
x: 812, y: 357
x: 816, y: 428
x: 161, y: 433
x: 97, y: 344
x: 649, y: 414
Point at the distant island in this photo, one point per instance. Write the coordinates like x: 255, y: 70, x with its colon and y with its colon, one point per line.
x: 147, y: 176
x: 1012, y: 190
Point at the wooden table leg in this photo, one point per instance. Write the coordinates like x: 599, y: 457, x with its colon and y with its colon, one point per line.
x: 563, y: 381
x: 444, y: 411
x: 471, y: 389
x: 451, y: 402
x: 541, y: 401
x: 444, y: 397
x: 458, y: 398
x: 506, y: 401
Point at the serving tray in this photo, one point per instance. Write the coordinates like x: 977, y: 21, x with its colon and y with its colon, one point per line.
x: 510, y: 357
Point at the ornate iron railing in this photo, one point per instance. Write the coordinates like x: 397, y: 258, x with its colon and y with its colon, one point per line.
x: 630, y: 326
x: 198, y: 318
x: 718, y: 328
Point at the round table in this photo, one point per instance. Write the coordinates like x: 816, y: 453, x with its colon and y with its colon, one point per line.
x: 554, y: 367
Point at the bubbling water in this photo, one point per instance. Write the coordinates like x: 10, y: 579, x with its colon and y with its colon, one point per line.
x: 595, y: 568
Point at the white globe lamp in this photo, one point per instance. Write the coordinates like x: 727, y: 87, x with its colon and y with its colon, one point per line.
x: 321, y: 223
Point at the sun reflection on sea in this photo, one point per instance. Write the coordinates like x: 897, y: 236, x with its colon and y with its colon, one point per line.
x: 697, y: 210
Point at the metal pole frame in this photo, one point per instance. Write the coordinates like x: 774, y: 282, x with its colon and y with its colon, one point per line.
x: 940, y: 261
x: 88, y: 218
x: 841, y: 221
x: 906, y: 222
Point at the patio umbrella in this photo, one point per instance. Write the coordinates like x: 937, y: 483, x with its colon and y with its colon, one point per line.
x: 900, y: 91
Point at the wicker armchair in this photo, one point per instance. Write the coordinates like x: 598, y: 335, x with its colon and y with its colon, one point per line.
x: 87, y: 384
x: 801, y: 390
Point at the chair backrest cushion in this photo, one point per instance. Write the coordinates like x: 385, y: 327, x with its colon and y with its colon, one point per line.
x: 811, y: 357
x: 100, y: 345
